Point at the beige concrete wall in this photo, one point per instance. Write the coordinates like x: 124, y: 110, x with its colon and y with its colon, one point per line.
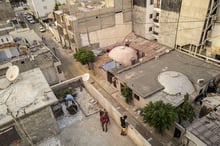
x: 195, y: 12
x: 218, y: 15
x: 41, y: 125
x: 215, y: 36
x: 115, y: 114
x: 37, y: 126
x: 111, y: 35
x: 95, y: 20
x: 167, y: 29
x: 109, y: 3
x: 139, y: 21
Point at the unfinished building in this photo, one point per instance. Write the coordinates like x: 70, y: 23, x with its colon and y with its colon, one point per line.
x: 93, y: 23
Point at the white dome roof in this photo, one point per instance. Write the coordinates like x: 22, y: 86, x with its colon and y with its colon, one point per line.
x: 123, y: 55
x: 175, y: 82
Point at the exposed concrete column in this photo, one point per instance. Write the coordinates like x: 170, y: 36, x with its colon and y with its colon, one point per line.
x: 196, y: 48
x: 190, y: 48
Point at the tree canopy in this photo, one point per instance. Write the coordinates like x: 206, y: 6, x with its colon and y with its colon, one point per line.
x: 127, y: 93
x: 186, y: 112
x: 159, y: 115
x: 84, y: 56
x: 56, y: 7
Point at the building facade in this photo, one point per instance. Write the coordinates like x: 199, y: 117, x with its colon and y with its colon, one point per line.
x: 27, y: 117
x: 190, y: 27
x: 97, y: 26
x: 41, y: 8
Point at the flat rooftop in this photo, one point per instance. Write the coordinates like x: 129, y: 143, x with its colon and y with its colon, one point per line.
x: 30, y: 92
x: 29, y: 35
x: 143, y: 77
x: 207, y: 129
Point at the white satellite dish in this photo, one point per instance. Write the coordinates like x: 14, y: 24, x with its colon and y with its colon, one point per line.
x: 12, y: 73
x: 86, y: 77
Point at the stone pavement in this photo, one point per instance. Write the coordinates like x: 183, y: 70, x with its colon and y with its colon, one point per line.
x: 72, y: 68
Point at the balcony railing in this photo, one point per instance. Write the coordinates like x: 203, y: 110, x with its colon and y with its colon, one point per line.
x: 156, y: 20
x: 156, y: 33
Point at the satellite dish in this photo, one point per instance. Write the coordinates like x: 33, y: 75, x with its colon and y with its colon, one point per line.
x: 86, y: 77
x: 12, y: 73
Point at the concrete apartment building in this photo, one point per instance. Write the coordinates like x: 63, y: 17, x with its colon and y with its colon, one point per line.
x: 6, y: 10
x: 7, y: 13
x: 189, y: 26
x: 42, y: 8
x: 93, y: 23
x: 142, y: 18
x: 26, y: 50
x: 26, y: 116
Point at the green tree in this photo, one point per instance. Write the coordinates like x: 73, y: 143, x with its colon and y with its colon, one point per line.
x: 84, y: 56
x: 56, y: 7
x: 127, y: 93
x: 159, y: 115
x: 186, y: 112
x: 204, y: 111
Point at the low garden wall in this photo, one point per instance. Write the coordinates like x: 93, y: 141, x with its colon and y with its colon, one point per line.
x: 115, y: 114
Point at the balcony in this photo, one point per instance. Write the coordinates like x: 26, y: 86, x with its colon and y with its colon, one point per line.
x: 157, y: 5
x: 156, y: 20
x: 156, y: 33
x: 69, y: 27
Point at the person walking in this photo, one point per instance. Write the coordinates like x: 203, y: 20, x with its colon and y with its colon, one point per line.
x: 124, y: 125
x: 104, y: 119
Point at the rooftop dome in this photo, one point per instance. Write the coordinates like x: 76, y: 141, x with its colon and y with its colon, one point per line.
x: 175, y: 83
x: 123, y: 55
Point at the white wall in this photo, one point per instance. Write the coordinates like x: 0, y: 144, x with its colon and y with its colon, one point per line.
x: 149, y: 21
x: 195, y: 12
x: 167, y: 31
x: 43, y: 7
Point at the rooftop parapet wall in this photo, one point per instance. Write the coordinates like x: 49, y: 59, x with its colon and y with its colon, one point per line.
x: 171, y: 5
x: 115, y: 114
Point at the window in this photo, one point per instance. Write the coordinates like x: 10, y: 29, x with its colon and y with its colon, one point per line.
x: 3, y: 56
x: 150, y: 29
x: 136, y: 97
x: 45, y: 7
x: 9, y: 136
x: 151, y: 2
x: 151, y: 16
